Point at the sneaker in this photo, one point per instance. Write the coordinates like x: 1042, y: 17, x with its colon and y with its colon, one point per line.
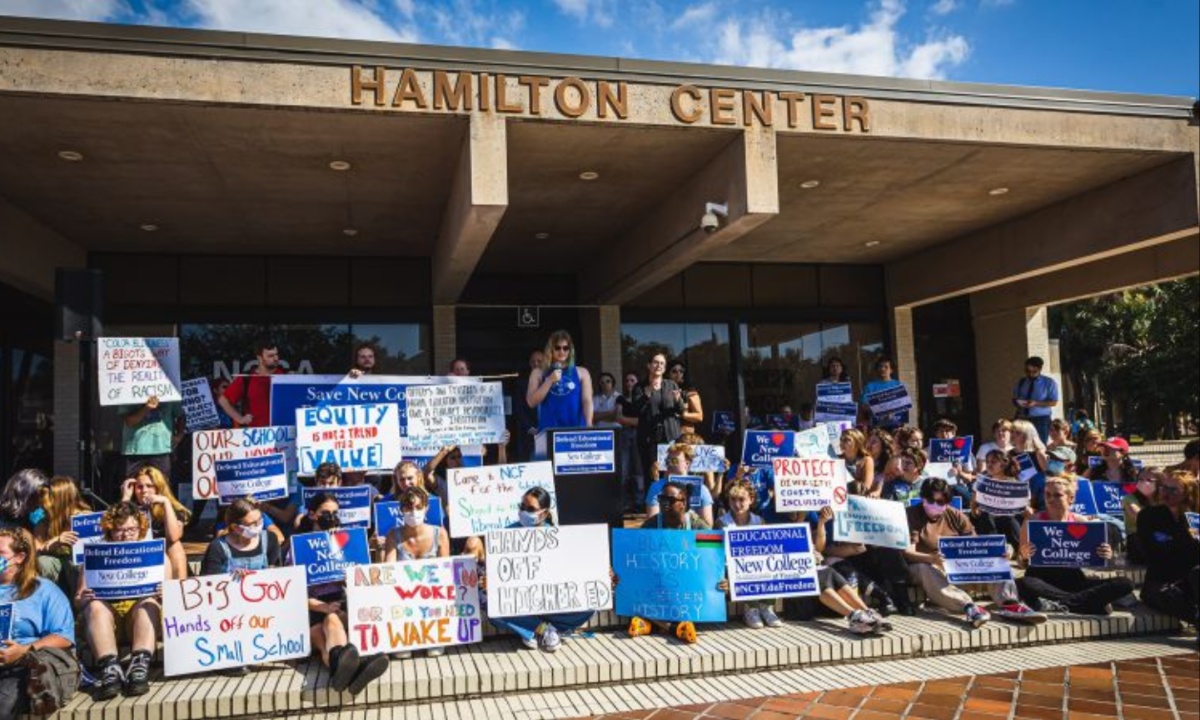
x: 405, y: 655
x: 436, y: 652
x: 753, y: 618
x: 343, y: 666
x: 976, y: 615
x: 880, y: 623
x: 637, y: 627
x: 1053, y: 606
x: 109, y: 678
x: 1020, y: 611
x: 686, y: 631
x: 367, y: 673
x: 770, y: 618
x: 862, y: 624
x: 239, y: 671
x: 547, y: 639
x: 137, y: 677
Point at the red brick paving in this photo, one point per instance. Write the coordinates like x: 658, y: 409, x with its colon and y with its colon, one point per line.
x: 1146, y: 689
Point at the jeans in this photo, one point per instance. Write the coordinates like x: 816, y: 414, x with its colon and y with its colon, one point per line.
x: 14, y: 683
x: 1079, y: 593
x: 1042, y: 424
x: 932, y: 579
x: 1178, y: 598
x: 525, y: 626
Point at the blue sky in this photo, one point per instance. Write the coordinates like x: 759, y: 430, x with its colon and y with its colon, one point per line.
x: 1147, y: 46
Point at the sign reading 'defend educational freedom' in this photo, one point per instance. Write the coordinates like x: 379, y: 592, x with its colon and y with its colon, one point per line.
x: 326, y: 555
x: 87, y: 527
x: 547, y: 570
x: 198, y: 406
x: 209, y: 446
x: 835, y: 401
x: 487, y: 498
x: 767, y: 562
x: 584, y: 452
x: 133, y: 370
x: 705, y: 458
x: 1001, y: 497
x: 218, y: 622
x: 359, y: 438
x: 871, y: 522
x: 125, y: 570
x: 354, y: 503
x: 387, y: 515
x: 1066, y: 544
x: 975, y: 558
x: 262, y: 478
x: 763, y: 446
x: 808, y: 483
x: 669, y: 575
x: 455, y: 414
x: 414, y: 605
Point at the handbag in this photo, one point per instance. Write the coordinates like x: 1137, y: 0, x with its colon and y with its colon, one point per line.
x: 53, y: 679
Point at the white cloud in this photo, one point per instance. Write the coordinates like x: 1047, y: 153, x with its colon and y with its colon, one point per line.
x: 323, y: 18
x: 944, y: 7
x: 473, y: 23
x: 94, y: 10
x: 597, y: 12
x: 696, y: 15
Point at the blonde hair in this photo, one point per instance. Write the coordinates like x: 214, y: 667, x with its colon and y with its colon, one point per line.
x: 859, y: 440
x: 22, y: 542
x: 1067, y: 483
x: 679, y: 448
x: 548, y: 355
x: 741, y: 487
x: 1188, y: 484
x: 1027, y: 429
x: 162, y: 487
x: 61, y: 500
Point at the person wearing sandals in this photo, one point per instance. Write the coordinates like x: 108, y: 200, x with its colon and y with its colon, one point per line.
x: 739, y: 498
x: 42, y: 619
x: 415, y: 540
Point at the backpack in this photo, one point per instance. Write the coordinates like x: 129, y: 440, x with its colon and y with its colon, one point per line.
x: 53, y: 679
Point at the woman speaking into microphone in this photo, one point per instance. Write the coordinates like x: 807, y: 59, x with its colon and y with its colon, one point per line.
x: 560, y: 390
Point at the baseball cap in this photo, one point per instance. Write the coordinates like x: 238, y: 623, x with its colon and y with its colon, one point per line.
x: 1063, y: 454
x: 1117, y: 443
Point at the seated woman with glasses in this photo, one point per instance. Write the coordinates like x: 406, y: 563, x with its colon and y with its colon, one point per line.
x: 1171, y: 552
x: 679, y: 462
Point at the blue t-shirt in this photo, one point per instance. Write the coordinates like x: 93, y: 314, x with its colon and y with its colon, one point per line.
x: 46, y: 612
x: 563, y: 405
x: 706, y: 498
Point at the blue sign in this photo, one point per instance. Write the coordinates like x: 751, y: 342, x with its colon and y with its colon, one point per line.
x: 124, y: 570
x: 584, y: 452
x: 696, y: 491
x: 955, y: 502
x: 975, y: 558
x: 354, y: 503
x: 289, y: 393
x: 6, y: 620
x: 724, y: 423
x: 783, y: 421
x: 1108, y: 497
x: 669, y: 575
x: 87, y: 527
x: 1027, y: 468
x: 952, y: 450
x: 835, y: 401
x: 762, y: 446
x: 1066, y: 544
x: 1095, y: 461
x: 1193, y: 520
x: 387, y: 515
x: 889, y: 402
x: 770, y: 562
x: 1085, y: 500
x: 1001, y: 497
x: 262, y: 478
x: 326, y: 555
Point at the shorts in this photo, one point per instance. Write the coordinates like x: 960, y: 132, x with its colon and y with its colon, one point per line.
x: 121, y: 610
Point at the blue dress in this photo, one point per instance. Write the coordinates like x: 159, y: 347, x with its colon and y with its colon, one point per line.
x: 563, y: 405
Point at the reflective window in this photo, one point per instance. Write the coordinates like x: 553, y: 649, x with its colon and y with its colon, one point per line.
x: 704, y: 349
x: 32, y: 378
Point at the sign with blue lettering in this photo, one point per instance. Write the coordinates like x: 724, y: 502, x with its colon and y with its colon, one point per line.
x: 1193, y: 520
x: 86, y: 527
x: 1001, y: 497
x: 1108, y: 497
x: 724, y: 423
x: 1066, y: 544
x: 767, y: 562
x: 955, y: 502
x: 975, y: 559
x: 952, y: 450
x: 695, y: 489
x: 124, y: 570
x: 669, y: 575
x: 6, y: 620
x: 326, y: 555
x: 261, y: 478
x: 488, y: 498
x: 1027, y: 468
x: 1085, y: 500
x: 354, y: 503
x: 209, y: 446
x: 387, y: 515
x: 835, y: 401
x: 705, y: 458
x: 289, y: 393
x: 763, y: 446
x: 869, y: 521
x: 584, y: 452
x: 1095, y: 461
x: 888, y: 404
x: 359, y: 438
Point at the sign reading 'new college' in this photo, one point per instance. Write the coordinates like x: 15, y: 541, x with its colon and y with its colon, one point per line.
x: 773, y: 561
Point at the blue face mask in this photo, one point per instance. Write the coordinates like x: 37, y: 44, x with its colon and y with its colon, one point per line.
x: 1055, y: 467
x: 37, y: 516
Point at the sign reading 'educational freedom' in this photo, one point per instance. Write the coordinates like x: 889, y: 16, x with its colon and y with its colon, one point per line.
x: 767, y: 562
x: 133, y: 370
x: 669, y: 575
x: 209, y: 446
x: 975, y: 559
x: 1001, y: 497
x: 124, y: 570
x: 547, y: 570
x: 218, y: 622
x: 869, y: 521
x: 359, y: 438
x: 354, y: 503
x: 455, y: 414
x: 1066, y: 544
x: 262, y: 478
x: 487, y: 498
x: 584, y: 452
x: 198, y: 406
x: 808, y: 483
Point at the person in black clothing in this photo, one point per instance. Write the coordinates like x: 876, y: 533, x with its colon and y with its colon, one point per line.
x: 658, y: 405
x: 1172, y: 554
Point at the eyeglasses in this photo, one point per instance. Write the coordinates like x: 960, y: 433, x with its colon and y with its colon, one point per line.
x: 940, y: 501
x: 562, y: 348
x: 670, y: 499
x: 132, y: 530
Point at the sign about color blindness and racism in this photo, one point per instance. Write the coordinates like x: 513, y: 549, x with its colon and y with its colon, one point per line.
x: 262, y: 478
x: 835, y: 401
x: 125, y: 570
x: 763, y: 446
x: 952, y: 450
x: 585, y: 452
x: 975, y: 558
x: 705, y: 458
x: 547, y: 570
x: 773, y: 561
x: 414, y: 605
x: 359, y: 438
x: 487, y: 498
x: 133, y: 370
x: 1066, y: 544
x: 209, y: 446
x: 388, y: 515
x: 325, y: 555
x: 869, y: 521
x: 1001, y: 497
x: 354, y: 503
x: 809, y: 483
x: 455, y: 414
x: 86, y: 527
x: 198, y: 406
x: 221, y: 621
x: 669, y: 575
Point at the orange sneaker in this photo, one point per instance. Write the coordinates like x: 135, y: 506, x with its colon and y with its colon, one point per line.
x: 638, y: 626
x: 686, y: 631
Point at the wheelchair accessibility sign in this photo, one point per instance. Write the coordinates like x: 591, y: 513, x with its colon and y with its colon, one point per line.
x: 527, y: 317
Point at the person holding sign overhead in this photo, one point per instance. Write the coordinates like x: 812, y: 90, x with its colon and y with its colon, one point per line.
x: 891, y: 419
x: 1172, y: 553
x: 150, y: 491
x: 415, y: 540
x: 560, y: 390
x: 55, y: 538
x: 148, y: 433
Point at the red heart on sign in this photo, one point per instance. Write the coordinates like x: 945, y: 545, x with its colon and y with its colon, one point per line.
x: 777, y: 439
x: 959, y: 443
x: 1077, y: 530
x: 1128, y: 488
x: 339, y: 539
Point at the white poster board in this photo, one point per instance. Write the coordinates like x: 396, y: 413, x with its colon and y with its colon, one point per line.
x: 209, y: 446
x: 359, y: 438
x: 870, y: 521
x: 705, y: 458
x: 133, y: 370
x: 546, y: 570
x: 455, y: 414
x: 198, y: 405
x: 486, y: 498
x: 808, y: 483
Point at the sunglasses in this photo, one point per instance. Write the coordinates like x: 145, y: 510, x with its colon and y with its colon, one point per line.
x: 530, y: 508
x: 670, y: 499
x: 562, y: 348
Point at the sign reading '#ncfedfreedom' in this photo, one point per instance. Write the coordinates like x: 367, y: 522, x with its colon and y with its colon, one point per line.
x: 133, y: 370
x: 766, y: 562
x: 209, y: 446
x: 359, y: 438
x: 124, y: 570
x: 669, y: 575
x: 546, y: 570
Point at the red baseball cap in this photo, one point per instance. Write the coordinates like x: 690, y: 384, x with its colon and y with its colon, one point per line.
x: 1117, y: 443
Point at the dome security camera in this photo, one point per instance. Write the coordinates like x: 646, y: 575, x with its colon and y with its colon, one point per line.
x: 709, y: 221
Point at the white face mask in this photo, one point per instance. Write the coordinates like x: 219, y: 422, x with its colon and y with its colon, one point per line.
x: 413, y: 518
x: 249, y: 531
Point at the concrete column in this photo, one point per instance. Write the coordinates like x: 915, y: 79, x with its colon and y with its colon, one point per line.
x: 1002, y: 342
x: 905, y: 356
x: 445, y: 338
x: 602, y: 339
x: 66, y: 409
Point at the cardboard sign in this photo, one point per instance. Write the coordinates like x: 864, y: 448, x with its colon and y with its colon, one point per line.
x: 835, y: 401
x: 1066, y: 544
x: 221, y: 621
x: 814, y: 442
x: 262, y: 478
x: 326, y: 555
x: 1085, y: 500
x: 1193, y: 521
x: 361, y: 438
x: 354, y: 503
x: 1108, y: 496
x: 762, y: 446
x: 870, y: 521
x: 585, y: 452
x: 414, y: 605
x: 547, y: 570
x: 198, y: 406
x: 808, y: 483
x: 124, y: 570
x: 705, y: 458
x: 455, y: 414
x: 767, y: 562
x: 87, y: 527
x: 889, y: 400
x: 487, y: 498
x: 209, y: 446
x: 386, y: 515
x: 133, y: 370
x: 724, y: 423
x: 6, y: 620
x: 1001, y: 497
x: 975, y: 559
x: 669, y: 575
x: 954, y: 450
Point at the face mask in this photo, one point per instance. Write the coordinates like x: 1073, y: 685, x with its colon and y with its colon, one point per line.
x: 38, y: 515
x: 249, y: 531
x: 414, y: 518
x: 933, y: 510
x: 1055, y: 467
x: 328, y: 521
x: 528, y: 519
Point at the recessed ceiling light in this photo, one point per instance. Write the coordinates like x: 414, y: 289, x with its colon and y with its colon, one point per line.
x: 871, y: 243
x: 350, y: 232
x: 339, y: 165
x: 589, y: 175
x: 998, y: 191
x: 70, y: 155
x: 810, y: 184
x: 541, y: 236
x: 149, y: 227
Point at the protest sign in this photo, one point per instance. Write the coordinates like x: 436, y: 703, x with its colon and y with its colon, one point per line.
x: 952, y: 450
x: 872, y: 522
x: 1001, y: 497
x: 1095, y: 461
x: 835, y: 428
x: 133, y: 370
x: 584, y: 452
x: 1085, y: 500
x: 705, y: 458
x: 695, y: 485
x: 808, y: 483
x: 413, y: 605
x: 814, y: 442
x: 1066, y: 544
x: 198, y: 406
x: 262, y: 478
x: 669, y: 575
x: 762, y: 446
x: 724, y: 423
x: 955, y: 502
x: 6, y: 620
x: 487, y: 498
x: 782, y: 421
x: 325, y: 555
x: 1027, y: 468
x: 455, y: 414
x: 387, y: 515
x: 87, y: 527
x: 770, y: 562
x: 124, y: 570
x: 975, y: 559
x: 209, y: 446
x: 835, y: 401
x: 289, y: 393
x: 219, y: 621
x: 354, y: 502
x: 1108, y: 496
x: 890, y: 402
x: 1193, y: 521
x: 944, y: 471
x: 546, y: 570
x: 357, y: 437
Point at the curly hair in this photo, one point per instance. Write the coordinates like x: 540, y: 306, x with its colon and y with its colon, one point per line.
x: 117, y: 515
